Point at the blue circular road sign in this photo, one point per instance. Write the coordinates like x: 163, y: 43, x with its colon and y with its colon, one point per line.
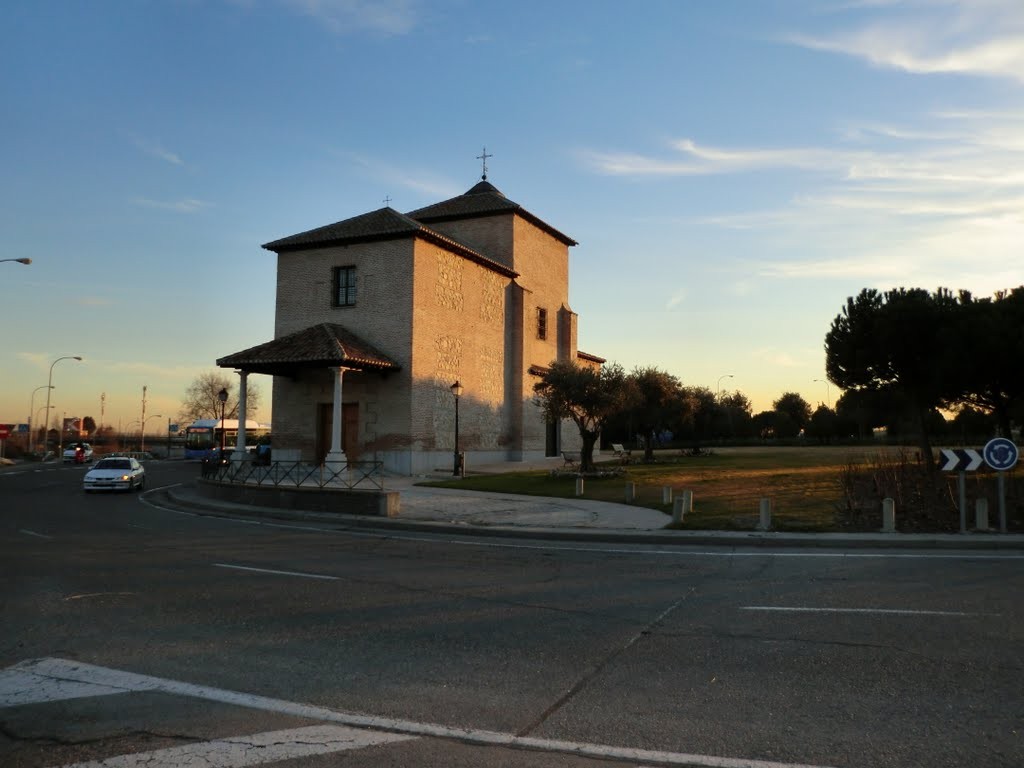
x: 1000, y: 453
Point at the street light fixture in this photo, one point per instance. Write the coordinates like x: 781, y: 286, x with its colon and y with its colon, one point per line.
x: 456, y: 389
x: 32, y: 410
x: 223, y: 397
x: 49, y: 383
x: 718, y: 394
x: 20, y: 261
x: 142, y: 442
x: 828, y: 392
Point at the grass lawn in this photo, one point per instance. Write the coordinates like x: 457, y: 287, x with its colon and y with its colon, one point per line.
x: 803, y: 484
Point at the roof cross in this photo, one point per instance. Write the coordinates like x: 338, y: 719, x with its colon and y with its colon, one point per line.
x: 387, y: 200
x: 484, y: 157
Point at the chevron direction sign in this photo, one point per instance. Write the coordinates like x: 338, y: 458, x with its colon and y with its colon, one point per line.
x: 961, y: 459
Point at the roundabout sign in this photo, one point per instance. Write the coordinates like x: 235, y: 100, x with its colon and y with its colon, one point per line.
x: 1000, y: 454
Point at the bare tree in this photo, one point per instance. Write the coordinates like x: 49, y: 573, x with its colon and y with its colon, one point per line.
x: 201, y: 400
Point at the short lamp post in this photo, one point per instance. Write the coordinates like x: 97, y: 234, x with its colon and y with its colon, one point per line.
x: 142, y: 441
x: 223, y: 397
x: 457, y: 392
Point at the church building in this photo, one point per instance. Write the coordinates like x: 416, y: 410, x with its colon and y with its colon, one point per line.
x: 379, y: 316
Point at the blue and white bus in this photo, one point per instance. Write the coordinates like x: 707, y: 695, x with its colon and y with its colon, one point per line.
x: 202, y: 437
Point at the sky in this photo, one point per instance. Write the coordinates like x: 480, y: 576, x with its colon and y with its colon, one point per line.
x: 732, y: 171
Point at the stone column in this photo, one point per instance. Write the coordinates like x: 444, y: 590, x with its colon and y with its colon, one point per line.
x: 239, y: 455
x: 337, y: 453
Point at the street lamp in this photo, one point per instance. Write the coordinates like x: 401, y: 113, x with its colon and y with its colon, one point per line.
x: 49, y: 383
x: 828, y: 392
x: 457, y: 392
x: 718, y: 394
x: 37, y: 419
x: 20, y: 261
x: 32, y: 409
x: 223, y: 397
x: 142, y: 442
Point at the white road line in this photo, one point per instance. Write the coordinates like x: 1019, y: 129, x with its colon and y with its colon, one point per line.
x: 27, y: 532
x: 276, y: 573
x: 260, y: 748
x: 73, y: 671
x: 890, y: 611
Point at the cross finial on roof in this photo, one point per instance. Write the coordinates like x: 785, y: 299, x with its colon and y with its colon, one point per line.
x: 484, y: 157
x: 387, y: 200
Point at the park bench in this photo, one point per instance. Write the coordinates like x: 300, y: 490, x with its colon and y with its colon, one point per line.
x: 621, y: 452
x: 571, y: 458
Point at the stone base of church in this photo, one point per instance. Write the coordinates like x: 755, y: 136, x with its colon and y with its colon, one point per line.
x: 339, y: 500
x: 430, y: 463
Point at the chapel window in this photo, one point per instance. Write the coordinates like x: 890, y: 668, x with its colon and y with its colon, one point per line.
x: 344, y: 286
x: 542, y: 323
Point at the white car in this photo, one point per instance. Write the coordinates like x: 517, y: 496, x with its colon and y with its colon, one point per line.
x: 71, y: 453
x: 115, y: 473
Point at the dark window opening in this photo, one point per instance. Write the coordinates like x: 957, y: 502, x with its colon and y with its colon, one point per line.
x: 542, y: 323
x: 344, y: 286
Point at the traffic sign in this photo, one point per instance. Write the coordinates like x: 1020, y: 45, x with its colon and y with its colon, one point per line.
x: 1000, y: 454
x: 5, y: 431
x: 960, y: 459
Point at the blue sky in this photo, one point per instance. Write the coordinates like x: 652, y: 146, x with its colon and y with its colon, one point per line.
x: 732, y: 170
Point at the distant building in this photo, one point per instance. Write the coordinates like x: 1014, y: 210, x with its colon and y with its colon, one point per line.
x: 377, y: 316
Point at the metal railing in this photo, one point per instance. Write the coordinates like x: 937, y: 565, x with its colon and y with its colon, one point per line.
x: 355, y: 475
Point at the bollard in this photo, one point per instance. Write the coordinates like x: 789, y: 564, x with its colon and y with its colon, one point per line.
x: 687, y: 502
x: 765, y: 515
x: 579, y: 486
x: 678, y: 509
x: 888, y: 516
x: 981, y: 514
x: 630, y: 492
x: 666, y: 494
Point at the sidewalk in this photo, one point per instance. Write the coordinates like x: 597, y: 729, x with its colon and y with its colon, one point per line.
x: 452, y: 510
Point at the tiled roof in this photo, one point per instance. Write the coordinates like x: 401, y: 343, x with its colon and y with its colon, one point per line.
x: 319, y: 346
x: 484, y: 199
x: 382, y: 224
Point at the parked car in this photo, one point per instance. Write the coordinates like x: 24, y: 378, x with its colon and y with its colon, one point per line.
x: 115, y: 473
x: 79, y: 453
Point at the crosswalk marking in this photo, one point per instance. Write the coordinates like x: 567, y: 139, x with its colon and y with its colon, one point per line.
x: 20, y: 686
x: 69, y: 673
x: 260, y: 748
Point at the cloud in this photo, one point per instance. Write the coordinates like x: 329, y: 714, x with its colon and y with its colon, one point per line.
x: 422, y: 182
x: 93, y: 301
x: 188, y: 205
x: 387, y: 17
x: 156, y: 150
x: 969, y: 37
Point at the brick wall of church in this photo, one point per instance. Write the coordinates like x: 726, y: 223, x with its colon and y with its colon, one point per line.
x: 458, y: 334
x: 381, y: 316
x: 490, y: 236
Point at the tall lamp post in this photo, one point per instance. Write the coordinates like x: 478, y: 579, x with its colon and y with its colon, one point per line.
x: 49, y: 384
x: 223, y: 397
x: 32, y: 410
x: 718, y: 393
x: 142, y: 443
x: 457, y: 392
x: 828, y: 392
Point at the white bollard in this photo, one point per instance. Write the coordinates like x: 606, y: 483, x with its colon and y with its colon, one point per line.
x: 579, y: 486
x: 981, y: 514
x: 888, y: 516
x: 630, y: 492
x: 687, y: 502
x: 666, y: 494
x: 678, y: 509
x: 765, y: 515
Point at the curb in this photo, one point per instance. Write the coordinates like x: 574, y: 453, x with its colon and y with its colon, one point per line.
x: 185, y: 500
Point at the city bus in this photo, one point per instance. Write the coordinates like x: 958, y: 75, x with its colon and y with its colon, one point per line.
x: 202, y: 437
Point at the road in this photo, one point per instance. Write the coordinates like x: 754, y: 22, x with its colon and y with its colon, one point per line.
x: 159, y: 636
